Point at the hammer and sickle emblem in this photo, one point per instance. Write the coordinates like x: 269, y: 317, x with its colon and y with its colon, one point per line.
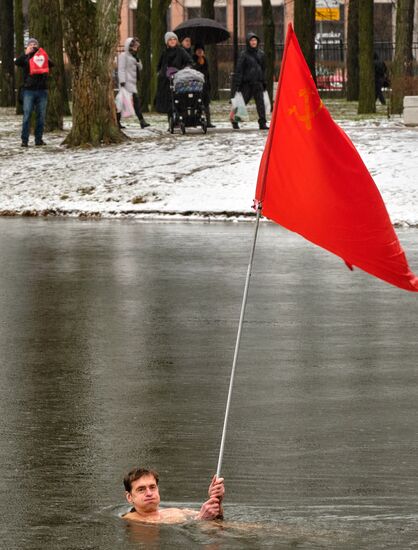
x: 309, y: 112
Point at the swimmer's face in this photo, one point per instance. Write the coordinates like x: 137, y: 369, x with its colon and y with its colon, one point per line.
x: 144, y: 495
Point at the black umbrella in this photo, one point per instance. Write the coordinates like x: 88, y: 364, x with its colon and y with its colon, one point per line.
x: 202, y: 31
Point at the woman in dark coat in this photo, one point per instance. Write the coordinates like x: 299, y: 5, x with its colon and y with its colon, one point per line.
x: 174, y: 56
x: 201, y: 65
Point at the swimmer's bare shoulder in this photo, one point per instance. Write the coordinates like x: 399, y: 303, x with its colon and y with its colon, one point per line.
x: 166, y: 515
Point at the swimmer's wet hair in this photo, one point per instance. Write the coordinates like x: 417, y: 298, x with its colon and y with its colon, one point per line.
x: 135, y: 474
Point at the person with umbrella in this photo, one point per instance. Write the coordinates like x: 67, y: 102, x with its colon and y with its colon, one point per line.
x: 186, y: 43
x: 173, y: 58
x: 201, y: 65
x: 250, y: 78
x: 202, y: 30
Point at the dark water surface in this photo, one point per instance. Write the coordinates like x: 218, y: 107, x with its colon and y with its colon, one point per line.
x: 116, y: 347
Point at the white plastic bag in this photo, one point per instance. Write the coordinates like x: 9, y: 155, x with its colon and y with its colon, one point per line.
x: 124, y: 104
x: 239, y: 108
x: 267, y: 104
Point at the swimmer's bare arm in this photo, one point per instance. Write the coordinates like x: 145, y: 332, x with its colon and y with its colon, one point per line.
x: 217, y: 489
x: 212, y: 508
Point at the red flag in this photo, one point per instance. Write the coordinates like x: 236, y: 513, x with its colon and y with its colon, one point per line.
x: 312, y: 180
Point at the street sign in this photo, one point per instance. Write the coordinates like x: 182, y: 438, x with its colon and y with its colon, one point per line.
x: 327, y: 10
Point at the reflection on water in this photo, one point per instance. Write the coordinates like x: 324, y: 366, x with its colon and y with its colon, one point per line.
x: 117, y: 340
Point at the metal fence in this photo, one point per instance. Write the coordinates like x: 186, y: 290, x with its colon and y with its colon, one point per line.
x: 330, y: 62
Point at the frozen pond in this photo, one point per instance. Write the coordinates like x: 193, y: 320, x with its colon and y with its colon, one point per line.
x: 117, y: 340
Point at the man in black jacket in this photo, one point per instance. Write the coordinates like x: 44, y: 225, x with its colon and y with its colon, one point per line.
x: 35, y: 90
x: 249, y: 78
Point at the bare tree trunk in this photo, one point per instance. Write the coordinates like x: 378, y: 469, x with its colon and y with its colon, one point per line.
x: 143, y: 23
x: 304, y: 18
x: 367, y: 97
x: 269, y: 48
x: 208, y: 10
x: 402, y: 81
x: 91, y: 38
x: 159, y: 28
x: 352, y: 52
x: 45, y: 26
x: 7, y: 68
x: 19, y: 48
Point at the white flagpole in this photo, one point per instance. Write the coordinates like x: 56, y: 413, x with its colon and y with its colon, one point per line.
x: 237, y: 343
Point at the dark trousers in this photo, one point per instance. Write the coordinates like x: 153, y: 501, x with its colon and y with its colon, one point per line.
x: 137, y: 108
x: 378, y: 91
x: 206, y: 104
x: 255, y: 90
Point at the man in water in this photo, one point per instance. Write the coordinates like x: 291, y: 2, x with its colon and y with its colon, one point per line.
x: 142, y: 493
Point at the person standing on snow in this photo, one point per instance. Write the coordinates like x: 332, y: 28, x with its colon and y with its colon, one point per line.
x: 186, y: 44
x: 201, y: 65
x: 174, y: 57
x: 380, y: 78
x: 36, y: 65
x: 129, y: 67
x: 250, y: 78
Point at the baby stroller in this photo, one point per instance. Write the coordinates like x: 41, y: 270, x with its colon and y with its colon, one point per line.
x: 187, y: 109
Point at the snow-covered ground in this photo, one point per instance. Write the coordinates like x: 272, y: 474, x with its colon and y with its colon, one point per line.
x: 158, y: 174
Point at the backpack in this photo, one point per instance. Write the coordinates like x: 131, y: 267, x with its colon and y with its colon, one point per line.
x: 38, y: 63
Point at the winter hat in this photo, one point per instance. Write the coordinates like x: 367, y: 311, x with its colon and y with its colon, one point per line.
x: 169, y: 35
x: 33, y: 41
x: 199, y: 47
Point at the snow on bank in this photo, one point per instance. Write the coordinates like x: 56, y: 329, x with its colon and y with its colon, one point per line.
x: 159, y: 174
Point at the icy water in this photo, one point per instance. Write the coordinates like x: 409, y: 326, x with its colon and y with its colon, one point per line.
x: 116, y: 346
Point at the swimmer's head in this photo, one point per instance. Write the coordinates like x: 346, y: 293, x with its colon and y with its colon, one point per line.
x: 135, y: 474
x: 142, y: 490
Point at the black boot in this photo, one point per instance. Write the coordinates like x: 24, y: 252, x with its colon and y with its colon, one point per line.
x: 118, y: 117
x: 262, y: 125
x: 144, y: 124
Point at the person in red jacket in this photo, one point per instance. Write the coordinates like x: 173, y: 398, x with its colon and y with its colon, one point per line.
x: 36, y: 66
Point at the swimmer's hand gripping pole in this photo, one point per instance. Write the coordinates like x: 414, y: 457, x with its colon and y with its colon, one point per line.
x: 238, y: 340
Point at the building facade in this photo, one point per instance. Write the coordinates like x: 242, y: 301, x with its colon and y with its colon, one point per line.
x: 250, y: 17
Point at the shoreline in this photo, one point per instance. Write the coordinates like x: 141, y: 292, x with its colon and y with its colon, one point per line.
x: 156, y: 216
x: 156, y: 176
